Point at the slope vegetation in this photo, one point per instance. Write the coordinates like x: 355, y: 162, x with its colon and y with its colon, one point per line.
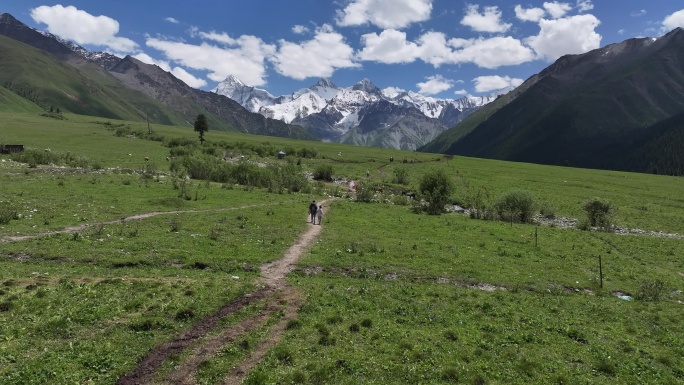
x: 591, y: 110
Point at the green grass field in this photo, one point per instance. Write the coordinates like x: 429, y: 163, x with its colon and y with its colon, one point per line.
x: 390, y: 296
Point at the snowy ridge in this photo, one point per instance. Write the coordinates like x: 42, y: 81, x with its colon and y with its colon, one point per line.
x: 334, y: 112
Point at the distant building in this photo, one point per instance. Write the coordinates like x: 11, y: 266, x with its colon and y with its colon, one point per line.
x: 11, y: 148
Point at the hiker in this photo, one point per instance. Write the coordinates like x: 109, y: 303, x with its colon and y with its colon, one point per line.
x: 312, y: 211
x: 319, y: 213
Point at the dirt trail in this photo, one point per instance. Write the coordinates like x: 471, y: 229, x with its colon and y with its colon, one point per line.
x: 206, y: 342
x: 138, y: 217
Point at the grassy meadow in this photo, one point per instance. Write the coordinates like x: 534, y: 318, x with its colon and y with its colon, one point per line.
x: 392, y: 296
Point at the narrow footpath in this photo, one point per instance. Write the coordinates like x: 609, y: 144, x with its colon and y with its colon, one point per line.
x: 203, y: 340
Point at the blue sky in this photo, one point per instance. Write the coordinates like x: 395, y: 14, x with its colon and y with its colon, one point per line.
x: 441, y: 48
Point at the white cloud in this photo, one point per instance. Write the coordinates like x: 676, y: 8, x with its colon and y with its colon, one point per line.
x: 621, y: 31
x: 178, y: 72
x: 83, y: 28
x: 171, y: 20
x: 556, y: 9
x: 219, y: 37
x: 392, y: 92
x: 300, y: 29
x: 530, y: 14
x: 245, y: 59
x: 488, y: 21
x: 434, y: 49
x: 491, y: 53
x: 434, y: 85
x: 389, y: 47
x: 584, y: 5
x: 384, y: 13
x: 188, y: 78
x: 461, y: 92
x: 570, y: 35
x: 319, y: 57
x: 673, y: 21
x: 495, y: 82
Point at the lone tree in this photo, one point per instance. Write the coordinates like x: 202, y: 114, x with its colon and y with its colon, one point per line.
x: 436, y: 187
x: 201, y: 126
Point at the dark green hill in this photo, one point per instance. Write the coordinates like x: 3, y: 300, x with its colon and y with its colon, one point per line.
x: 53, y: 73
x: 592, y: 110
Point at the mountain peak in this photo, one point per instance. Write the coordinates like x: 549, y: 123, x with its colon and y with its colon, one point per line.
x: 232, y: 79
x: 367, y: 86
x: 325, y: 83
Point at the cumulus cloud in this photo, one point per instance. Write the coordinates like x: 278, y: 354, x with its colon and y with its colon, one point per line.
x: 171, y: 20
x: 434, y: 85
x: 385, y: 14
x: 392, y: 47
x: 488, y: 21
x: 673, y: 21
x: 529, y: 14
x: 584, y: 5
x: 570, y: 35
x: 389, y: 47
x: 319, y: 57
x: 495, y: 82
x: 434, y: 49
x: 219, y: 37
x: 392, y: 92
x: 461, y: 92
x: 178, y: 72
x: 83, y: 28
x: 557, y: 9
x: 300, y: 29
x: 243, y: 57
x: 491, y: 53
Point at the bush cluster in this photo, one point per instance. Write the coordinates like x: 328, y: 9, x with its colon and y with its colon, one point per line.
x: 276, y: 177
x: 436, y: 188
x: 599, y: 213
x: 516, y: 204
x: 34, y: 158
x: 7, y: 213
x: 323, y: 172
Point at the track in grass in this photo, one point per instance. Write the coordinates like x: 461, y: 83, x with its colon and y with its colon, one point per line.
x: 206, y: 341
x: 138, y: 217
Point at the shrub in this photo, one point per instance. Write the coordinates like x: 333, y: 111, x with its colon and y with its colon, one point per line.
x: 477, y: 203
x: 599, y: 213
x: 650, y: 290
x: 516, y: 203
x: 7, y: 213
x: 175, y: 224
x: 436, y: 188
x: 287, y: 177
x: 401, y: 176
x: 547, y: 210
x: 307, y: 153
x: 323, y: 172
x: 365, y: 193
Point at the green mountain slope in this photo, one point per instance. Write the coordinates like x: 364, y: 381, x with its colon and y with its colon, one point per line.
x: 591, y: 110
x: 53, y: 73
x: 11, y: 102
x: 47, y: 82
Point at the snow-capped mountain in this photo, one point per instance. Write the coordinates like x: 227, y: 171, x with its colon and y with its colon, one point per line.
x: 359, y: 114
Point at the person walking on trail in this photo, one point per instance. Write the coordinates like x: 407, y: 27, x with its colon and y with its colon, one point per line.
x: 312, y: 211
x: 319, y: 213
